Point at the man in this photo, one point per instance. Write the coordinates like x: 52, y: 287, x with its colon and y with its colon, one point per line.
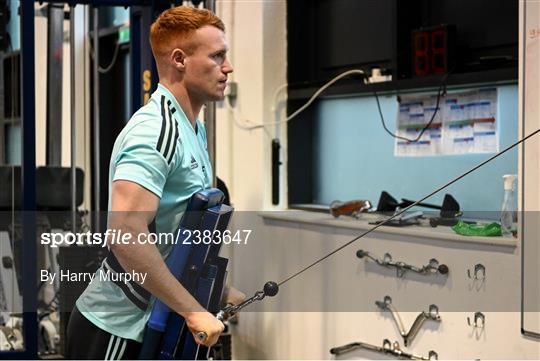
x: 158, y: 162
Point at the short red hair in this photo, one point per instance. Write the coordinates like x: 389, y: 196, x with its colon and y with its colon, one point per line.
x: 179, y: 22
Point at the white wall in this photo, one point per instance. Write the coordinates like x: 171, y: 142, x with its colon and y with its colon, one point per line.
x: 257, y: 40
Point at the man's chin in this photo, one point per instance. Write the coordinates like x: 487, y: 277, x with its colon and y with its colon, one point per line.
x: 217, y: 97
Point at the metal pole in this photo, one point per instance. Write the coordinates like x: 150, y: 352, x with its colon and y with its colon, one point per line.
x: 73, y: 115
x: 55, y: 43
x: 210, y: 5
x: 210, y: 117
x: 28, y: 180
x: 135, y: 57
x: 97, y: 177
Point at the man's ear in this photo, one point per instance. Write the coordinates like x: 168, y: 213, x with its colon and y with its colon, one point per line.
x: 178, y: 58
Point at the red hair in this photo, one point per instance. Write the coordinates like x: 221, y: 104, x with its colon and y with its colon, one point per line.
x: 179, y: 23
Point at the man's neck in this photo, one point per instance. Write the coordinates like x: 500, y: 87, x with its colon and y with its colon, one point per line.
x: 190, y: 107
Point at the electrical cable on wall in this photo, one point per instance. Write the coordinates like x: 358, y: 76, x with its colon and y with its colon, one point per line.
x: 303, y: 107
x: 249, y: 125
x: 105, y: 70
x: 440, y: 92
x: 239, y: 120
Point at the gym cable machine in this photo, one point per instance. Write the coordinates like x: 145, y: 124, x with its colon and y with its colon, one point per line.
x: 142, y: 14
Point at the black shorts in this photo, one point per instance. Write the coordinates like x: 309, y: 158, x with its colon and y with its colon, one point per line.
x: 87, y: 341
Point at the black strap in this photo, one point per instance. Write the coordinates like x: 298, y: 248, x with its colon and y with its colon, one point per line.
x: 133, y: 291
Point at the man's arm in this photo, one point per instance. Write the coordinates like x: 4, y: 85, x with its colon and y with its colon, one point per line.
x: 133, y: 209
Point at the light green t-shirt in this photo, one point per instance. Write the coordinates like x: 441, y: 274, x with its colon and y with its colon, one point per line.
x: 159, y: 150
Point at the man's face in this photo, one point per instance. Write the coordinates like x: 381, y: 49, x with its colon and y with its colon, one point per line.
x: 207, y: 66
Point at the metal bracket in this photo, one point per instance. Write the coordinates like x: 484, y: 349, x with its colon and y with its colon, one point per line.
x: 478, y: 316
x: 478, y: 268
x: 432, y: 314
x: 433, y: 266
x: 387, y: 348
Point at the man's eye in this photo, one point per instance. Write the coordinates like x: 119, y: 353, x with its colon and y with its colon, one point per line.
x: 218, y: 57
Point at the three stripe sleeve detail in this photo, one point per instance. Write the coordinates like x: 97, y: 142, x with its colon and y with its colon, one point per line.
x: 168, y: 136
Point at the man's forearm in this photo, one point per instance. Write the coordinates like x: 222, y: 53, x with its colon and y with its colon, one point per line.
x: 145, y: 258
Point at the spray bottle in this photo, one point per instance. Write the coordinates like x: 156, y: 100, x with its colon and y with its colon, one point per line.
x: 509, y: 206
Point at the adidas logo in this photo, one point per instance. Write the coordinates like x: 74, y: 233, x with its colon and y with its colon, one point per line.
x: 194, y: 163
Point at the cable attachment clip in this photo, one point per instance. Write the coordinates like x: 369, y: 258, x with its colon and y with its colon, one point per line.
x: 270, y: 289
x: 230, y: 310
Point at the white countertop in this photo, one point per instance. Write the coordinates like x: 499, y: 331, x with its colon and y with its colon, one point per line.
x: 438, y: 233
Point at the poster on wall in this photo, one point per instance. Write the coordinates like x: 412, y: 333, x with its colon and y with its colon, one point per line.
x: 414, y: 115
x: 469, y: 122
x: 465, y: 123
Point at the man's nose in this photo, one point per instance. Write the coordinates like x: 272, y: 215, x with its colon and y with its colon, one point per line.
x: 227, y: 67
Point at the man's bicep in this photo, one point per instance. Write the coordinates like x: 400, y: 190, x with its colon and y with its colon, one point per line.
x: 133, y: 200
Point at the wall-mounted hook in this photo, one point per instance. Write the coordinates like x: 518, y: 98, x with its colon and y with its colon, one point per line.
x: 385, y: 303
x: 479, y: 272
x: 479, y: 320
x: 434, y: 313
x: 387, y: 345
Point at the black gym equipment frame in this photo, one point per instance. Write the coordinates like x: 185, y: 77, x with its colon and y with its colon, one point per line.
x: 142, y: 14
